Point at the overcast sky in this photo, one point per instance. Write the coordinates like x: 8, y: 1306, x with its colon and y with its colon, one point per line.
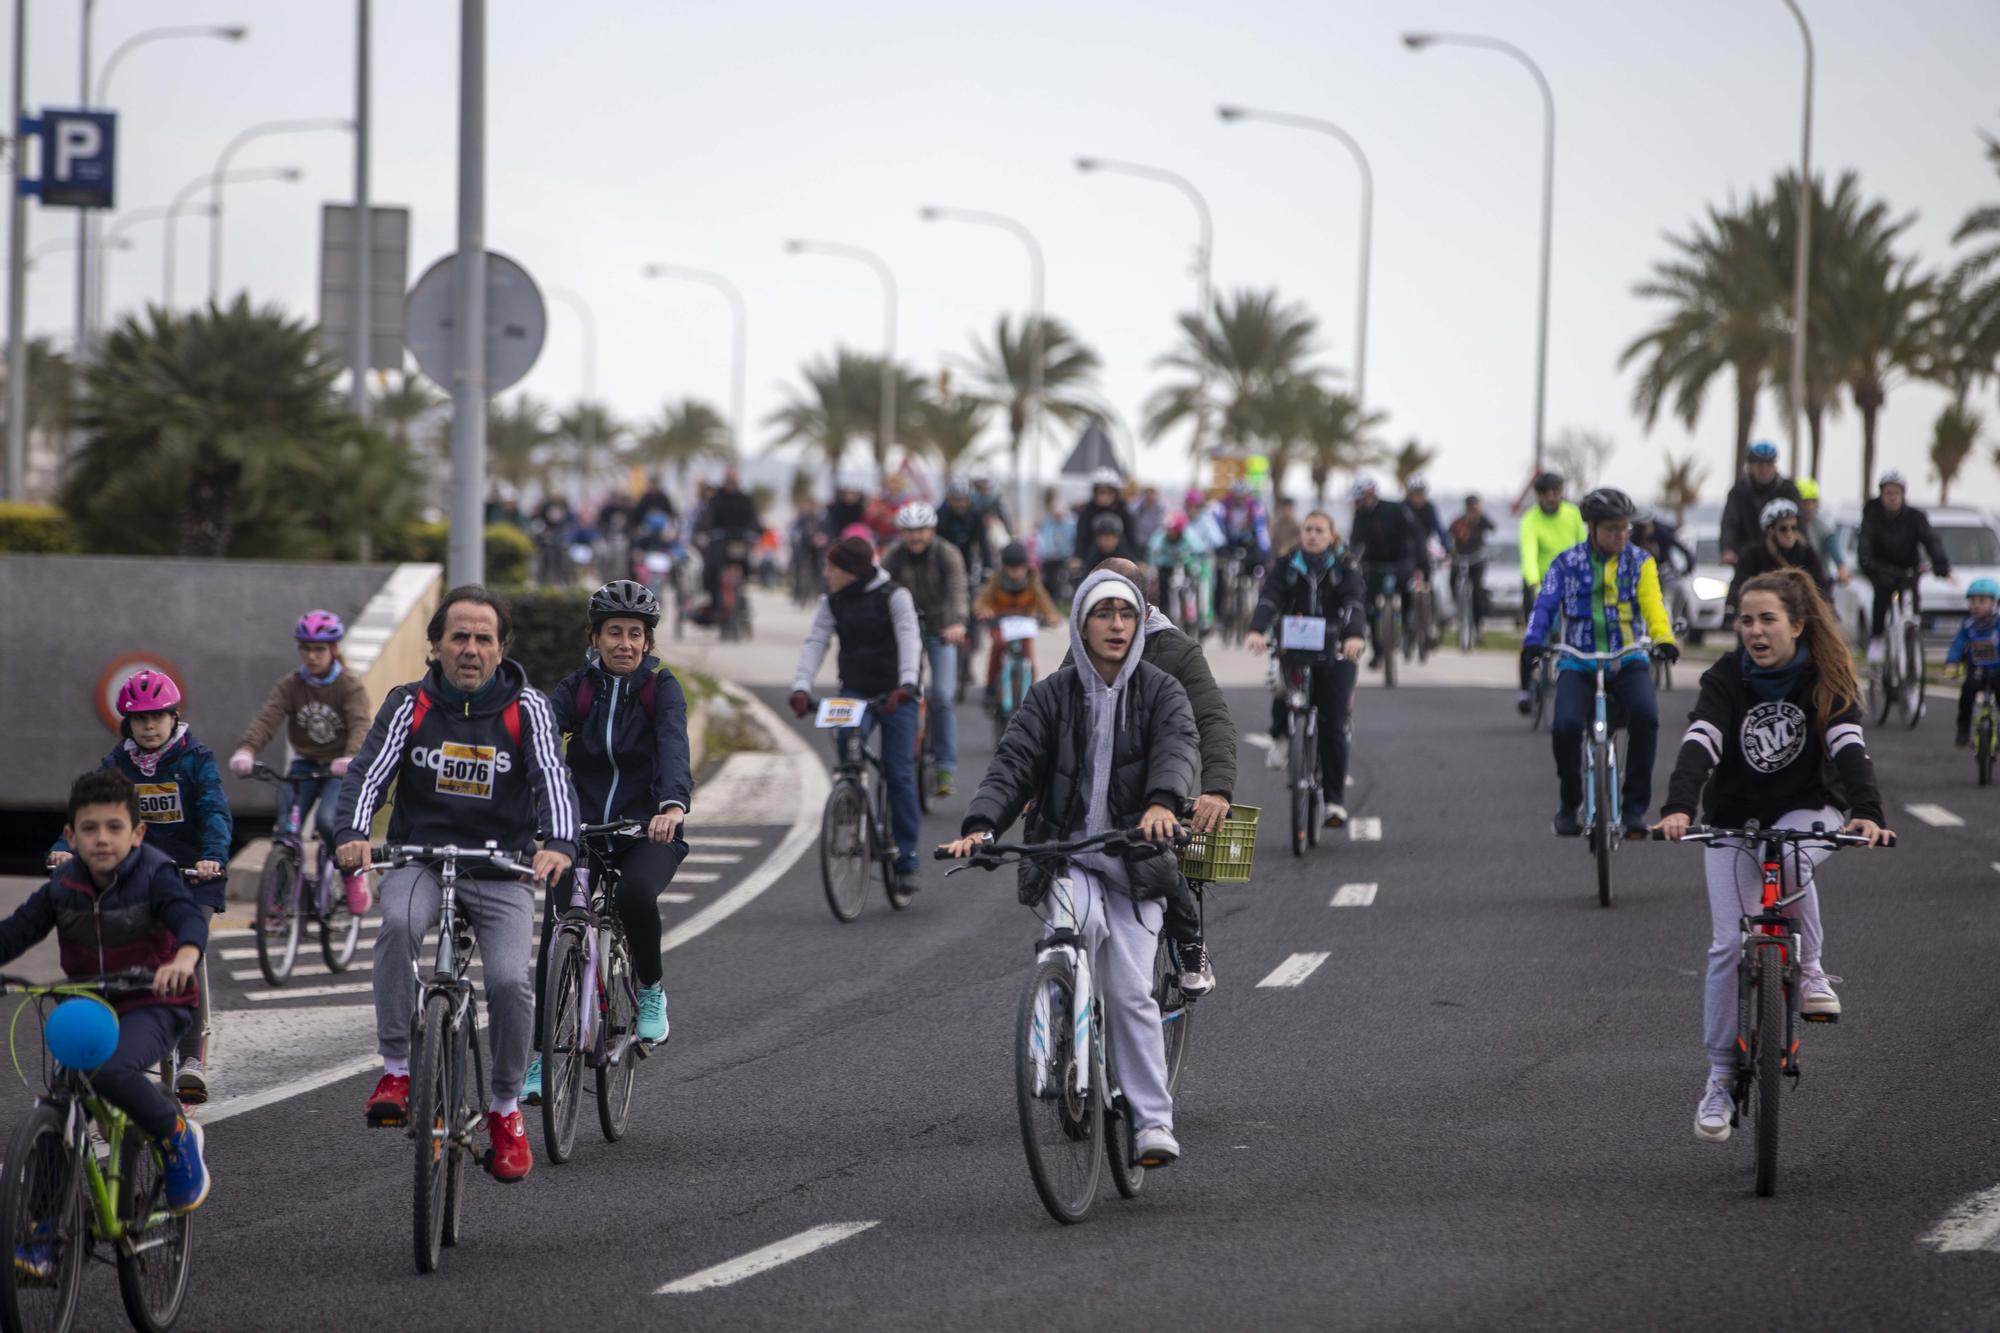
x: 704, y: 134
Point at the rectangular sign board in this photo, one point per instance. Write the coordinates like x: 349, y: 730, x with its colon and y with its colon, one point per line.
x: 78, y: 158
x: 388, y: 278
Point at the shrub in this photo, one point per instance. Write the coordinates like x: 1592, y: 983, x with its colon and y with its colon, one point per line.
x: 549, y: 628
x: 35, y: 529
x: 508, y: 550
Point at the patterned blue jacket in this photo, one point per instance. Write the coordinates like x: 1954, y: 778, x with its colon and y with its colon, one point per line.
x: 1596, y: 593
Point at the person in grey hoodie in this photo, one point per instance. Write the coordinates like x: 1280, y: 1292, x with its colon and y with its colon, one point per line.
x: 1106, y: 743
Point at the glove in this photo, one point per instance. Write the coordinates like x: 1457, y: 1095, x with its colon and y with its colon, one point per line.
x: 1531, y: 653
x: 897, y: 698
x: 1667, y: 652
x: 241, y: 763
x: 801, y: 703
x: 339, y: 767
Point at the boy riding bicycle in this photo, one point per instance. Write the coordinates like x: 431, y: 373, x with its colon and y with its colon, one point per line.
x: 1975, y: 649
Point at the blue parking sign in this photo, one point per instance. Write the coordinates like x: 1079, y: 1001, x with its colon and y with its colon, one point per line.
x: 77, y: 158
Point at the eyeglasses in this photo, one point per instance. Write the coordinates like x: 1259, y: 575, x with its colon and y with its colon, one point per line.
x: 1113, y: 611
x: 1784, y: 528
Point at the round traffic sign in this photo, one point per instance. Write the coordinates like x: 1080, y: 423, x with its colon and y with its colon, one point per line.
x: 516, y: 321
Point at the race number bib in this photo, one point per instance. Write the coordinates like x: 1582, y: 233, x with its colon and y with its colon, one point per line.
x: 465, y: 770
x: 1302, y: 634
x: 1013, y: 629
x: 835, y: 713
x: 160, y: 802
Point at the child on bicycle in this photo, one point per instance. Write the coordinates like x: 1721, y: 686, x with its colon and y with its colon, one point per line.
x: 118, y: 902
x: 626, y: 720
x: 1769, y: 722
x: 325, y: 713
x: 187, y: 816
x: 1975, y: 649
x: 875, y: 619
x: 1015, y: 589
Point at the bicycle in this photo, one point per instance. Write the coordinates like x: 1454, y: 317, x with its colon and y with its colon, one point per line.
x: 1985, y: 727
x: 59, y: 1203
x: 445, y: 1098
x: 1600, y: 764
x: 1301, y: 642
x: 1898, y: 679
x: 1385, y: 613
x: 1073, y: 1118
x: 732, y: 604
x: 1419, y: 635
x: 1767, y: 983
x: 1465, y: 597
x: 283, y: 901
x: 1017, y: 673
x: 590, y: 1012
x: 855, y: 826
x: 1182, y: 600
x: 1542, y: 680
x: 925, y: 764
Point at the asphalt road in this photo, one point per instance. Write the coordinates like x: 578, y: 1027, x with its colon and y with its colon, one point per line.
x: 1475, y: 1113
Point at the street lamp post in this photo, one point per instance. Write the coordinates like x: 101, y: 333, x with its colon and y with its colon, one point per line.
x: 1231, y: 114
x: 1417, y: 41
x: 186, y: 195
x: 17, y: 262
x: 219, y: 176
x: 874, y: 261
x: 739, y: 342
x: 362, y: 338
x: 1802, y: 254
x: 467, y: 553
x: 113, y: 240
x: 1037, y: 348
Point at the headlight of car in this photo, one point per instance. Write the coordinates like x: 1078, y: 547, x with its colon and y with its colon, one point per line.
x: 1710, y: 590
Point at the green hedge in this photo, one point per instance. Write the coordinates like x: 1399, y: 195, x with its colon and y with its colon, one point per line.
x: 35, y: 529
x: 549, y: 628
x: 508, y: 550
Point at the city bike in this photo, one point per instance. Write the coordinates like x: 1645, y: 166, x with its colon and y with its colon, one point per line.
x: 1601, y: 825
x: 1017, y: 670
x: 1421, y: 633
x: 732, y: 602
x: 62, y: 1200
x: 1542, y: 680
x: 1385, y: 617
x: 447, y: 1066
x: 284, y: 898
x: 1302, y: 641
x: 1767, y: 980
x: 855, y: 828
x: 1466, y: 595
x: 1898, y: 679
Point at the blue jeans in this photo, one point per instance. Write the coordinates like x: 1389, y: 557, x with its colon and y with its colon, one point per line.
x: 899, y: 763
x: 944, y: 688
x: 1629, y: 692
x: 319, y: 795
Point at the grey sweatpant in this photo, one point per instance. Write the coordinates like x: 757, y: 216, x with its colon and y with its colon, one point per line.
x: 1736, y: 890
x: 502, y: 913
x: 1122, y: 944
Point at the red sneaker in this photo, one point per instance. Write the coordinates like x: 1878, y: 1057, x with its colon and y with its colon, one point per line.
x: 389, y: 1104
x: 511, y: 1158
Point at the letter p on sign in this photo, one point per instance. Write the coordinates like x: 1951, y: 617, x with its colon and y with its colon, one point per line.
x: 76, y: 140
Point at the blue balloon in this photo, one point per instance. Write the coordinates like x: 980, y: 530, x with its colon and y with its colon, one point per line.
x: 81, y: 1034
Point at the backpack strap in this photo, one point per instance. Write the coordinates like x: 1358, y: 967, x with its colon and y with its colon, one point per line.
x: 419, y: 708
x: 586, y: 695
x: 510, y: 717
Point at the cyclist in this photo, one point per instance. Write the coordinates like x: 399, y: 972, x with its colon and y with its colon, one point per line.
x: 1285, y: 527
x: 1770, y: 723
x: 935, y: 575
x: 186, y: 815
x: 324, y: 712
x: 1315, y: 581
x: 475, y: 755
x: 553, y: 526
x: 1895, y: 536
x: 1147, y: 515
x: 1242, y: 530
x: 626, y: 719
x: 875, y: 618
x: 1106, y: 743
x: 848, y: 507
x: 1609, y: 593
x: 118, y: 903
x: 1760, y: 484
x: 1055, y: 541
x: 962, y: 527
x: 1975, y: 649
x: 1822, y: 536
x: 1468, y: 533
x: 1549, y: 527
x: 1662, y: 540
x: 1106, y: 499
x: 1390, y: 548
x: 1177, y: 545
x: 1107, y: 542
x: 986, y: 502
x: 1785, y: 545
x: 1013, y: 590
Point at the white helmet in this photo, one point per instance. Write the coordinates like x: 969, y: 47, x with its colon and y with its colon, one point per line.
x: 1362, y: 488
x: 916, y: 514
x: 1777, y: 509
x: 1892, y: 478
x: 1417, y: 483
x: 1105, y: 476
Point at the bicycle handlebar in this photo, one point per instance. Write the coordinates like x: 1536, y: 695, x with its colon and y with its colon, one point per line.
x: 389, y: 856
x: 1615, y: 655
x: 1755, y: 833
x: 992, y: 855
x: 134, y: 979
x: 263, y: 772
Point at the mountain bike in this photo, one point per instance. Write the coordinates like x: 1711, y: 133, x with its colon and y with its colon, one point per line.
x: 285, y: 901
x: 590, y: 1011
x: 1985, y: 728
x: 1073, y: 1120
x: 1898, y: 680
x: 1017, y: 671
x: 1767, y: 981
x: 1303, y: 777
x: 1385, y: 614
x: 1420, y: 634
x: 1602, y: 827
x: 855, y: 827
x: 1465, y: 597
x: 447, y: 1066
x: 60, y: 1204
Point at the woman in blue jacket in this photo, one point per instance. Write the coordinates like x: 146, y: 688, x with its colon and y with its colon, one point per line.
x: 626, y: 719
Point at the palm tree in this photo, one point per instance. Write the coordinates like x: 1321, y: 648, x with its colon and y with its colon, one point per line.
x: 949, y: 427
x: 1337, y: 439
x: 1411, y: 460
x: 1680, y: 487
x: 518, y: 438
x: 587, y: 437
x: 1230, y: 362
x: 686, y: 433
x: 861, y: 386
x: 1876, y: 316
x: 1978, y: 274
x: 1723, y: 293
x: 1002, y: 374
x: 403, y: 402
x: 1953, y: 436
x: 821, y: 418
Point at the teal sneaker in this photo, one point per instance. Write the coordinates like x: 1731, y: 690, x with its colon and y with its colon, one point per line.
x: 531, y: 1083
x: 186, y: 1172
x: 653, y: 1013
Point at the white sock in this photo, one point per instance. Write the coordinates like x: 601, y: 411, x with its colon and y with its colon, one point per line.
x: 400, y: 1068
x: 505, y: 1105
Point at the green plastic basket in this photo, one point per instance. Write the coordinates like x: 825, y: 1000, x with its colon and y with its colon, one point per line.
x: 1224, y: 856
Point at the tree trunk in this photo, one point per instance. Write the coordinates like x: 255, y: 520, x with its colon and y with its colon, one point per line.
x: 207, y: 509
x: 1816, y: 428
x: 1869, y: 405
x: 1748, y: 379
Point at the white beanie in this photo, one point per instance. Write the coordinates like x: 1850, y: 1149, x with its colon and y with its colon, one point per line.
x: 1108, y: 589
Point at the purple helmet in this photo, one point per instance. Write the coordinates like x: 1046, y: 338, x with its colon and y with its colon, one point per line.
x: 147, y: 691
x: 320, y: 627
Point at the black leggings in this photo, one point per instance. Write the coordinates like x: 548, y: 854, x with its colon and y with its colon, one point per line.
x: 1885, y: 593
x: 1329, y: 686
x: 644, y: 870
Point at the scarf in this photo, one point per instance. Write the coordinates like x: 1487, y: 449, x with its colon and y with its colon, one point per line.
x: 1316, y: 564
x: 1773, y: 683
x: 332, y: 674
x: 148, y: 761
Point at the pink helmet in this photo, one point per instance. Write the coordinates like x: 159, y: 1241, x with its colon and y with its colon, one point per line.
x: 1194, y: 500
x: 147, y: 691
x: 320, y: 627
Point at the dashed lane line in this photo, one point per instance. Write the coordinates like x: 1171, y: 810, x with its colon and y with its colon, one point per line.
x: 309, y: 993
x: 1973, y: 1224
x: 1935, y: 815
x: 765, y: 1259
x: 1354, y: 895
x: 711, y: 858
x: 305, y: 970
x: 703, y: 840
x: 696, y: 876
x: 1294, y: 969
x: 1365, y: 828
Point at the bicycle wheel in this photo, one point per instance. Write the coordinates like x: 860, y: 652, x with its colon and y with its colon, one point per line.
x: 563, y: 1048
x: 431, y: 1126
x: 42, y: 1202
x: 1126, y: 1173
x: 926, y: 768
x: 1391, y: 636
x: 1768, y: 1061
x: 467, y: 1094
x: 1315, y: 792
x: 1175, y: 1012
x: 1883, y: 680
x: 1468, y: 616
x: 278, y: 914
x: 1913, y: 679
x: 843, y: 848
x: 1607, y: 831
x: 339, y: 929
x: 1985, y: 751
x: 153, y: 1280
x: 1295, y: 778
x: 1426, y: 625
x: 618, y: 1020
x: 1061, y: 1121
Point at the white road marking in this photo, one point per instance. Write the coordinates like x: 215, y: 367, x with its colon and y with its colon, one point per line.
x: 759, y: 1261
x: 1354, y: 895
x: 1996, y: 865
x: 1365, y: 828
x: 242, y: 955
x: 677, y: 897
x: 1295, y: 969
x: 309, y: 992
x: 222, y: 1110
x: 711, y: 859
x: 1935, y: 815
x: 703, y: 840
x: 303, y: 970
x: 696, y: 876
x: 1974, y: 1224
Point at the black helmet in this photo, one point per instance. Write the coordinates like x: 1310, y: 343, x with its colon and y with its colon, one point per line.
x: 1549, y: 481
x: 1013, y: 553
x: 1107, y: 525
x: 1605, y: 504
x: 623, y: 597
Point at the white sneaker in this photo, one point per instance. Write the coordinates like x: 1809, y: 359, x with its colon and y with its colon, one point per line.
x: 1277, y: 755
x: 1156, y: 1148
x: 1336, y: 814
x: 1877, y: 651
x: 1816, y: 993
x: 1711, y: 1118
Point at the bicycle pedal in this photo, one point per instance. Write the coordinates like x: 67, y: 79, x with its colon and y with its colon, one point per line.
x: 1820, y: 1018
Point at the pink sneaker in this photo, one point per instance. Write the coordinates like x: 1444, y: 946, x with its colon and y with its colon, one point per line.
x: 359, y: 898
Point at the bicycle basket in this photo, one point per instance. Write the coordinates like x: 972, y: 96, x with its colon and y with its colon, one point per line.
x: 1224, y: 856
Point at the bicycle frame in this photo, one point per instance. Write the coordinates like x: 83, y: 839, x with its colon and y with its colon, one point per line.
x: 1598, y: 748
x: 592, y: 914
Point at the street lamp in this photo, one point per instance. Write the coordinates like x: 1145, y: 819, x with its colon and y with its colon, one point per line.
x: 180, y: 204
x: 874, y: 261
x: 219, y: 176
x: 740, y: 321
x: 1205, y: 253
x: 57, y: 244
x: 113, y: 239
x: 1802, y: 254
x: 1037, y: 349
x: 1231, y: 114
x: 1417, y: 41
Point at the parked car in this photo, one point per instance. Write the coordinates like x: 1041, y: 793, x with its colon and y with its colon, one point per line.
x: 1700, y: 595
x: 1503, y: 583
x: 1972, y: 543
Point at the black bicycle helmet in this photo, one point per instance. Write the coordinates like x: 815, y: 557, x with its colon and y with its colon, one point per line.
x: 1013, y: 553
x: 1606, y: 504
x: 623, y: 597
x: 1549, y: 481
x: 1107, y: 525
